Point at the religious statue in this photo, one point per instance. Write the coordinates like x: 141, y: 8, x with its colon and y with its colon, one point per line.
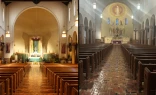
x: 117, y: 10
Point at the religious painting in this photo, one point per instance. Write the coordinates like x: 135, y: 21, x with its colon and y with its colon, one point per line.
x: 117, y: 9
x: 7, y: 47
x: 63, y: 49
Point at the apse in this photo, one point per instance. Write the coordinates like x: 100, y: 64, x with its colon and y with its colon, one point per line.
x: 36, y: 31
x: 117, y: 23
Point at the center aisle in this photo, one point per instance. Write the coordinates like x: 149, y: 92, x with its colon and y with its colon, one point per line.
x: 114, y: 78
x: 34, y: 83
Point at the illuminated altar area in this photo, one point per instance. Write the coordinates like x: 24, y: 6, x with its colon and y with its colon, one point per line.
x: 35, y: 47
x: 117, y: 34
x: 116, y: 26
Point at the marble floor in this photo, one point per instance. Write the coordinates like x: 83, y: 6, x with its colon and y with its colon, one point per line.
x: 113, y: 78
x: 34, y: 83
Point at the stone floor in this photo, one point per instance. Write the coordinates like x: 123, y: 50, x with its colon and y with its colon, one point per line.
x: 113, y: 78
x: 34, y: 83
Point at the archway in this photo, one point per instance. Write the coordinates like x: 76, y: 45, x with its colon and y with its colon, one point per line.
x: 74, y: 48
x: 86, y: 36
x: 69, y: 49
x: 142, y: 33
x: 1, y: 49
x: 90, y: 32
x: 35, y: 32
x: 152, y: 24
x: 81, y: 30
x: 147, y: 34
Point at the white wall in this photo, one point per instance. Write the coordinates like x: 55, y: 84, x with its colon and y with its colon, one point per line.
x: 87, y: 11
x: 58, y: 9
x: 2, y: 23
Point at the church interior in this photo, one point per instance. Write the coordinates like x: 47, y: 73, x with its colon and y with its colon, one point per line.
x: 38, y: 47
x: 117, y: 47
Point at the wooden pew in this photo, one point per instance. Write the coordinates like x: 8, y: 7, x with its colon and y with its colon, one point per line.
x: 6, y: 83
x: 86, y: 67
x: 2, y: 88
x: 69, y: 86
x: 135, y: 69
x: 91, y: 61
x: 63, y: 80
x: 75, y: 91
x: 140, y: 77
x: 149, y: 81
x: 56, y: 72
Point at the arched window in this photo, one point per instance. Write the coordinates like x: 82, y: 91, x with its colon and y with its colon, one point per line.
x: 3, y: 14
x: 74, y: 7
x: 126, y: 21
x: 69, y: 14
x: 108, y: 21
x: 117, y: 21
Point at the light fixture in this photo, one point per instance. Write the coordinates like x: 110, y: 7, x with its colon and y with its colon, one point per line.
x: 76, y: 22
x: 94, y: 5
x: 64, y: 33
x: 7, y: 34
x: 138, y: 7
x: 101, y: 16
x: 132, y: 17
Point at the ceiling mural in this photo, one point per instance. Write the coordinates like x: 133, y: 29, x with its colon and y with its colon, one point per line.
x: 117, y: 9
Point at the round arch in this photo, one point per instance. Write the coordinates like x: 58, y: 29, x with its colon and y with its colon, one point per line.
x: 147, y: 32
x: 81, y: 30
x: 86, y: 30
x: 32, y: 29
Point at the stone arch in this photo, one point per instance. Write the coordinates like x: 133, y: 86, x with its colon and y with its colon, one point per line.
x: 86, y: 31
x: 74, y: 37
x: 74, y: 48
x: 152, y: 25
x: 81, y: 30
x: 90, y: 32
x: 153, y: 30
x: 45, y: 34
x: 142, y: 33
x: 93, y: 36
x: 147, y: 32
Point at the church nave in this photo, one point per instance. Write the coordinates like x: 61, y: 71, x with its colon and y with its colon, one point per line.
x: 112, y: 78
x: 34, y: 83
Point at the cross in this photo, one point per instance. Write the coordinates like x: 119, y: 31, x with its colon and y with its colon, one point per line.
x: 135, y: 33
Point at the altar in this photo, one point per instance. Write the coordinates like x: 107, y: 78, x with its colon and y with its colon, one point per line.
x: 116, y: 40
x: 35, y: 48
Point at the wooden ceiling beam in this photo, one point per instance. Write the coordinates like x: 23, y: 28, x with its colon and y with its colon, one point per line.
x: 7, y: 2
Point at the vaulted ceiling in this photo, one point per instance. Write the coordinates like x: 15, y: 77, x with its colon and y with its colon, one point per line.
x: 35, y: 1
x: 36, y: 21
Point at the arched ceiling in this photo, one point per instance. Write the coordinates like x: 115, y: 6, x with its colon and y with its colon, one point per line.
x: 36, y: 21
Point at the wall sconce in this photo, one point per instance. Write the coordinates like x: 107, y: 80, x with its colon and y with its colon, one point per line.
x: 7, y: 34
x: 64, y: 33
x: 76, y: 22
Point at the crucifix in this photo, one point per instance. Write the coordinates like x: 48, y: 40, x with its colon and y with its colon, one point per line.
x: 135, y: 33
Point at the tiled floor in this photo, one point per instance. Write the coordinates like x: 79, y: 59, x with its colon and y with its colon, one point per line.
x: 34, y: 83
x: 113, y: 78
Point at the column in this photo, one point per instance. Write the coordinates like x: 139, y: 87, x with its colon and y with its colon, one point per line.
x: 73, y: 53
